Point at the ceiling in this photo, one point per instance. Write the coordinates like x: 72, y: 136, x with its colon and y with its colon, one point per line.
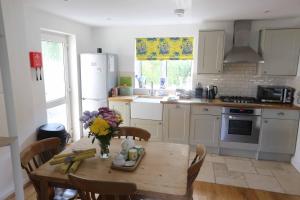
x: 157, y: 12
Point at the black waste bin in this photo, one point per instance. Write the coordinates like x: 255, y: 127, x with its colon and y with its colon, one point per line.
x: 53, y: 130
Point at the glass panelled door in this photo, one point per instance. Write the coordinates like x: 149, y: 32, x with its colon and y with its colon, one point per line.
x: 56, y: 78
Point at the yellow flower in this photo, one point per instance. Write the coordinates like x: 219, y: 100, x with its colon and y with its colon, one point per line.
x: 99, y: 127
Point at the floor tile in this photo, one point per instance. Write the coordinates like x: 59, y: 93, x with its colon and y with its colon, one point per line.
x: 215, y: 158
x: 223, y: 176
x: 206, y: 173
x: 270, y: 165
x: 236, y: 165
x: 263, y: 171
x: 262, y: 182
x: 290, y: 182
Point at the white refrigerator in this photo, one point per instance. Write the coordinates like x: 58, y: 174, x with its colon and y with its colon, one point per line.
x: 98, y: 73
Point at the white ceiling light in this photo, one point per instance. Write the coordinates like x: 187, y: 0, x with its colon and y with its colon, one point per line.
x: 179, y: 12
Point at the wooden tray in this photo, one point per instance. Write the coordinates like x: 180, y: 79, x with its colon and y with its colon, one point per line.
x: 132, y: 168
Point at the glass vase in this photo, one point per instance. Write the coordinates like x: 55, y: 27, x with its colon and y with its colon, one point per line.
x: 104, y: 150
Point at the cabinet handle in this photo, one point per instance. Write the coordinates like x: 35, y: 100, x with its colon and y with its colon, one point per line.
x: 177, y: 106
x: 126, y: 103
x: 218, y: 118
x: 160, y: 123
x: 205, y: 109
x: 265, y: 72
x: 265, y: 121
x: 280, y: 113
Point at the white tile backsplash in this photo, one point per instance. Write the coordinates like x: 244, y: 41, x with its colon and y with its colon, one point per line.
x: 241, y: 80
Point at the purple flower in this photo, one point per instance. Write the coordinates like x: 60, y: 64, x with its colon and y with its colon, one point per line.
x: 94, y: 113
x: 84, y: 118
x: 87, y: 113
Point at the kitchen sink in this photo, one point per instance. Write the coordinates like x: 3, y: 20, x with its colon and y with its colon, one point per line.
x: 147, y: 108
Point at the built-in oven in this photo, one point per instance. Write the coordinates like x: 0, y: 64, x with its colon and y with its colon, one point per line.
x: 240, y: 125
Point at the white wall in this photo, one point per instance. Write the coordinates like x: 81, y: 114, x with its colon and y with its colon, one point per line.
x: 30, y: 103
x: 37, y: 20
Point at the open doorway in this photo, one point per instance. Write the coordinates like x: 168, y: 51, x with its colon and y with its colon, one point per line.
x: 56, y: 78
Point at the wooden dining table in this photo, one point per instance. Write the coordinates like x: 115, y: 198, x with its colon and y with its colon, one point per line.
x: 162, y: 172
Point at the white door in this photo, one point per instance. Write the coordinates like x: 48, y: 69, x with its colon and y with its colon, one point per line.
x: 124, y: 109
x: 154, y: 127
x: 211, y: 52
x: 176, y: 123
x: 281, y: 50
x: 56, y: 79
x: 205, y: 129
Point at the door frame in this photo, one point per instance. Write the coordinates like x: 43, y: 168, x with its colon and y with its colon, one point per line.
x: 61, y: 38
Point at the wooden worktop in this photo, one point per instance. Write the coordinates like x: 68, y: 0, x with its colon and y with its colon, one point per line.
x: 218, y: 102
x: 214, y: 102
x: 122, y: 98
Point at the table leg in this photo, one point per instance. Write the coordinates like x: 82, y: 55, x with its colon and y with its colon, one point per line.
x: 44, y: 195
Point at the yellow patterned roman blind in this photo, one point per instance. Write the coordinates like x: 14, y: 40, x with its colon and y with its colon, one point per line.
x: 171, y: 48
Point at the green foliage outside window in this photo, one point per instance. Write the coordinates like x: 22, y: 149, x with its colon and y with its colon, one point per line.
x: 177, y: 72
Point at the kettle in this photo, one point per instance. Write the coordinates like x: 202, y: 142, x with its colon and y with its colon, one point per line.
x: 211, y: 91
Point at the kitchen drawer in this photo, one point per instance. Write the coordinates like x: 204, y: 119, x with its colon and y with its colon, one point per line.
x: 205, y: 110
x: 280, y: 114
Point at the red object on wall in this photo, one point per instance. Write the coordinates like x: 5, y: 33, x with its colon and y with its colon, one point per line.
x: 36, y: 59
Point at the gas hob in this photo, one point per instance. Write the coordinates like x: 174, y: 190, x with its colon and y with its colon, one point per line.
x: 238, y: 99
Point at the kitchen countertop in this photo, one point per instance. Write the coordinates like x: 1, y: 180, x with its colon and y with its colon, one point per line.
x: 214, y: 102
x: 218, y: 102
x: 122, y: 98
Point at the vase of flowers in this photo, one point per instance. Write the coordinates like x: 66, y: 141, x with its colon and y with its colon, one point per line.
x: 102, y: 125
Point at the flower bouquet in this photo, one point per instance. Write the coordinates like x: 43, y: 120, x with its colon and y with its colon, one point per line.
x: 102, y: 125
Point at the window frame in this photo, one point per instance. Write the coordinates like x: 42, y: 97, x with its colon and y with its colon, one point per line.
x: 163, y: 71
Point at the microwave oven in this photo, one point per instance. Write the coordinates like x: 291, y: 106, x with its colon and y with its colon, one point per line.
x: 275, y: 94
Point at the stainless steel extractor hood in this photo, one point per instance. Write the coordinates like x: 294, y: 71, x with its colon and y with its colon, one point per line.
x: 241, y: 51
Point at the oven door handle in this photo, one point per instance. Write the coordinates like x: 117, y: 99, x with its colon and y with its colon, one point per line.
x: 244, y: 118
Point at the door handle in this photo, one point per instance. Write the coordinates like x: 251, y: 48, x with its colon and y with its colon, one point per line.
x: 280, y: 113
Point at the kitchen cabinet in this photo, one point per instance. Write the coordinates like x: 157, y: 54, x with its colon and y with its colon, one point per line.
x: 211, y: 52
x: 176, y: 123
x: 123, y: 108
x: 205, y: 125
x: 279, y: 133
x: 280, y: 49
x: 154, y: 127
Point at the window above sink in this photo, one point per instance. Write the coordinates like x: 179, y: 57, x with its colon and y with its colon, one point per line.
x: 177, y: 73
x: 164, y: 63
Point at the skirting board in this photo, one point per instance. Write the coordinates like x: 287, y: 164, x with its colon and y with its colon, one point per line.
x: 296, y: 165
x: 274, y: 156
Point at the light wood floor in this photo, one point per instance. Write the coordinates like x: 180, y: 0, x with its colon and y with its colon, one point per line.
x: 211, y: 191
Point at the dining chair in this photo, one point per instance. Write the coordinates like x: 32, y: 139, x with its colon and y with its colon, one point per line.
x: 38, y: 153
x: 136, y: 133
x: 102, y: 190
x: 194, y: 169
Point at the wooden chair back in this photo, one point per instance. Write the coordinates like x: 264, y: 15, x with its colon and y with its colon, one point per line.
x: 136, y: 133
x: 196, y: 164
x: 36, y: 154
x: 101, y: 190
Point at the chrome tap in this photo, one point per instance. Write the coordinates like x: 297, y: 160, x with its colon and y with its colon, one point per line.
x: 152, y: 90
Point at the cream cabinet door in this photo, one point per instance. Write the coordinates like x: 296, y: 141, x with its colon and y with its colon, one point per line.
x: 280, y: 50
x: 211, y: 52
x: 176, y: 123
x: 278, y: 136
x: 152, y: 126
x: 124, y: 109
x: 205, y: 129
